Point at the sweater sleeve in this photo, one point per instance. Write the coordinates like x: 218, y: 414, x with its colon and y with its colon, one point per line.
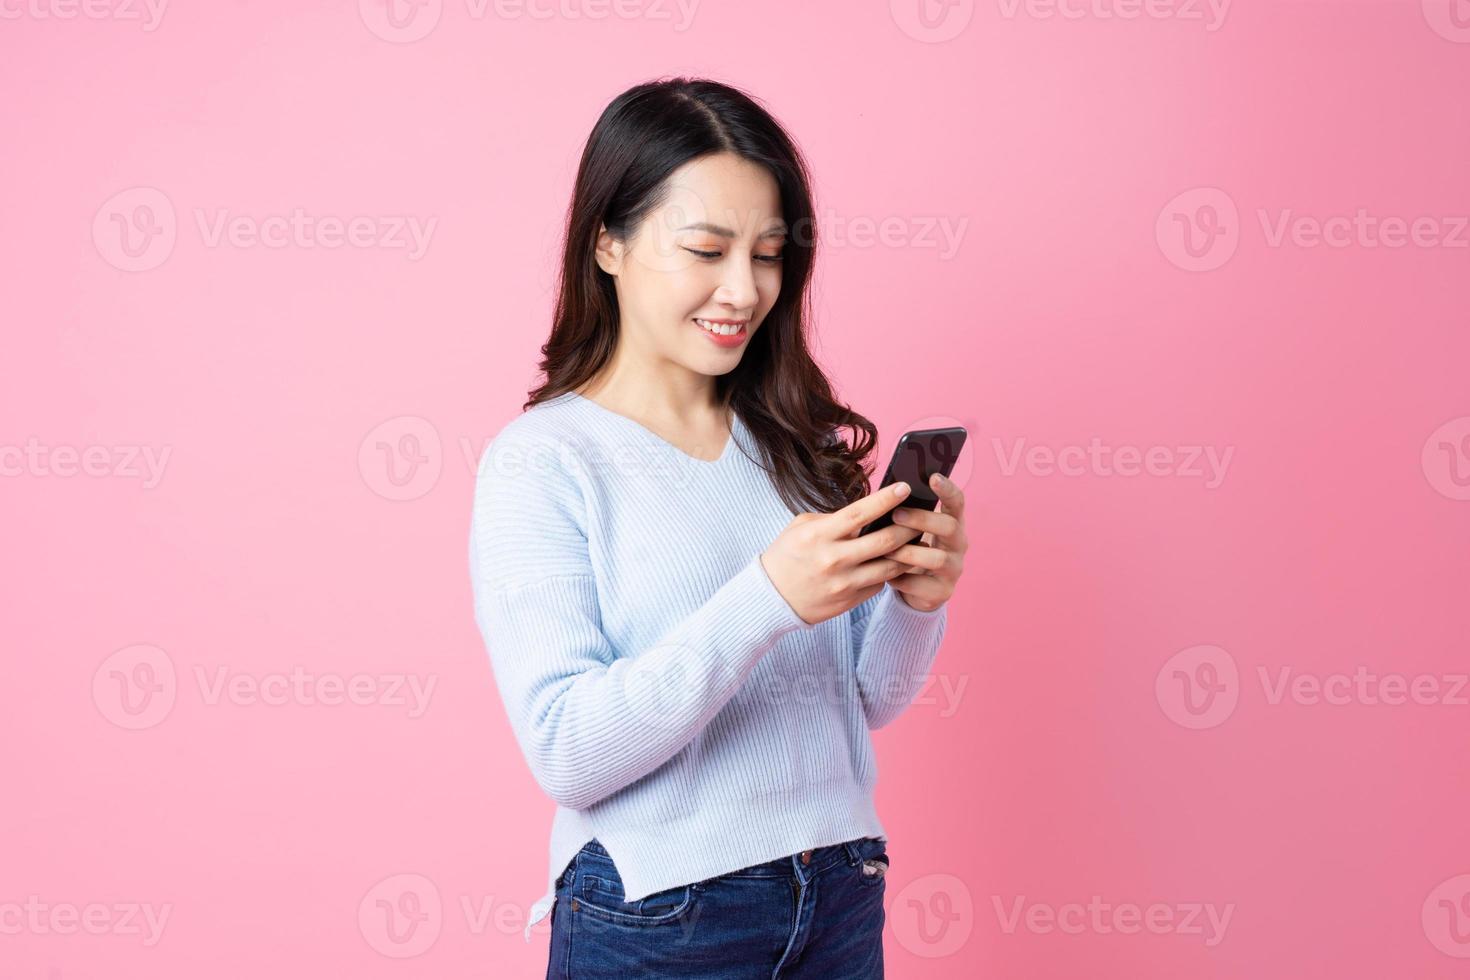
x: 895, y: 646
x: 590, y: 719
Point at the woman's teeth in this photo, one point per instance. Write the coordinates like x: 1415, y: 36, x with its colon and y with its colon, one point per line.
x: 723, y: 329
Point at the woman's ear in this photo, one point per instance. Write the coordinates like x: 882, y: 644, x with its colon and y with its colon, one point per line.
x: 609, y: 252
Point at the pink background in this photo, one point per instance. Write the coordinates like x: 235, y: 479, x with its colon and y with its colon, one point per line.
x: 1068, y: 760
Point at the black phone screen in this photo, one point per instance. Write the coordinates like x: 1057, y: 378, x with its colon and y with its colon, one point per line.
x: 920, y: 454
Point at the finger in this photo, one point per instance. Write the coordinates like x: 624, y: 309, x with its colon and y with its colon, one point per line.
x: 932, y: 559
x: 950, y: 495
x: 956, y: 539
x: 940, y: 525
x: 874, y: 544
x: 858, y: 514
x: 929, y: 590
x: 877, y: 571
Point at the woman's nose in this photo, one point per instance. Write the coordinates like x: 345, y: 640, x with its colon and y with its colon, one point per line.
x: 737, y: 286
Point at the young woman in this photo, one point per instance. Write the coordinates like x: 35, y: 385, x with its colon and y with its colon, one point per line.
x: 691, y: 637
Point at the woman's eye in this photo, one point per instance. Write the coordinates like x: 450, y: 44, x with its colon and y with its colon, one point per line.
x: 773, y: 259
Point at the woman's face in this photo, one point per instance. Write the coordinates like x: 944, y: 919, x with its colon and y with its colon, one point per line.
x: 710, y: 252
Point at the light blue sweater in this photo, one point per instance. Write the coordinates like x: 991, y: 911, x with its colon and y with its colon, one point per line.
x: 664, y: 694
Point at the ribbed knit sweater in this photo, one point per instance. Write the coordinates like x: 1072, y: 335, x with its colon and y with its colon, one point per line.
x: 664, y: 694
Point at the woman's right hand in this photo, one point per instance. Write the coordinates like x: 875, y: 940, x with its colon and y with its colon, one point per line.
x: 823, y: 565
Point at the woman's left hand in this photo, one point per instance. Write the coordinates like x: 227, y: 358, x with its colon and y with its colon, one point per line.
x: 938, y: 556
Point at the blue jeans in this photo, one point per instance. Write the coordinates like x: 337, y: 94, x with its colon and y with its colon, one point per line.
x: 817, y: 914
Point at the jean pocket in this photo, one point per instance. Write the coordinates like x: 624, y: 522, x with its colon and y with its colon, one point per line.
x: 602, y: 898
x: 873, y: 868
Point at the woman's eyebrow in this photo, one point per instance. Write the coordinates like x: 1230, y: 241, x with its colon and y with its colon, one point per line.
x: 778, y: 231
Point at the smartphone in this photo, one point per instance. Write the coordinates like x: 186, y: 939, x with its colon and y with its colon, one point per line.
x: 920, y: 454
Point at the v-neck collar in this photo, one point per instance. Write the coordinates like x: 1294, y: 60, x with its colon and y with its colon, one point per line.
x: 725, y: 453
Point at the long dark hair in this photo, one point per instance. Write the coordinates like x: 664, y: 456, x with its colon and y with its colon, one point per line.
x: 778, y: 391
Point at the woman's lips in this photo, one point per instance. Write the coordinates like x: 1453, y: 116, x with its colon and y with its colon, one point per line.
x: 723, y: 340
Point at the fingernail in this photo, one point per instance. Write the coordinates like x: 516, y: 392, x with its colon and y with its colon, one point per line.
x: 899, y: 489
x: 900, y: 514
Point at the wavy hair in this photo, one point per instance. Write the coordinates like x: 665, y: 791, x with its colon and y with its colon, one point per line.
x: 779, y: 392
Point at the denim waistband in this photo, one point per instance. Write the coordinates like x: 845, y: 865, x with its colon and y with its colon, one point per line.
x: 817, y: 859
